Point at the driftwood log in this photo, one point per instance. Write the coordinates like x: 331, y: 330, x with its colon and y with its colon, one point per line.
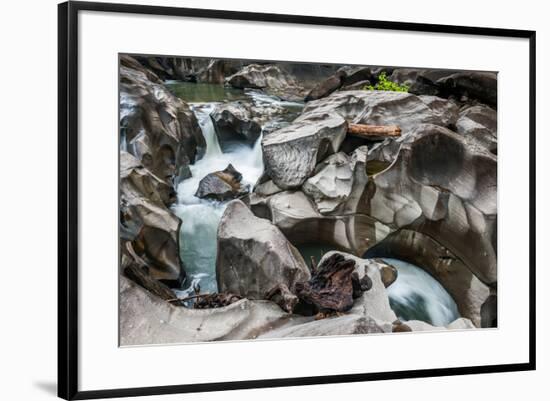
x: 282, y: 296
x: 374, y: 131
x: 333, y: 286
x: 207, y: 301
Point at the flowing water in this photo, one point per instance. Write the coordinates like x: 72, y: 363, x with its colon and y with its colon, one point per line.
x: 201, y: 217
x: 416, y: 295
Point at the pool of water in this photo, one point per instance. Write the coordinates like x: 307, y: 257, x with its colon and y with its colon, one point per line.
x: 203, y: 92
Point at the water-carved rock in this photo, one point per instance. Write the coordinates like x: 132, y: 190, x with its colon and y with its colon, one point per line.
x: 291, y: 153
x: 253, y: 255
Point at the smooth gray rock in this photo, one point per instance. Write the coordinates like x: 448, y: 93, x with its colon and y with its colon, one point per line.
x: 332, y: 326
x: 444, y: 186
x: 326, y: 87
x: 269, y: 77
x: 458, y: 324
x: 291, y: 153
x: 254, y: 255
x: 479, y: 122
x: 331, y: 185
x: 477, y: 85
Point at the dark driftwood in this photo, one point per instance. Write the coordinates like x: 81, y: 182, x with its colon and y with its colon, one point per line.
x: 140, y: 275
x: 206, y: 301
x: 281, y: 295
x: 374, y: 131
x: 333, y: 286
x: 217, y: 300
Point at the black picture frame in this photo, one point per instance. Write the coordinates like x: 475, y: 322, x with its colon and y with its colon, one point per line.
x: 68, y: 197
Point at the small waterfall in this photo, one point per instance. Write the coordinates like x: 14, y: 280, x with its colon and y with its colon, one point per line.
x: 198, y: 234
x: 416, y: 295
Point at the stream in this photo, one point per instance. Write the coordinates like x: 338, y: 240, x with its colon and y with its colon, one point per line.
x: 201, y: 217
x: 414, y: 295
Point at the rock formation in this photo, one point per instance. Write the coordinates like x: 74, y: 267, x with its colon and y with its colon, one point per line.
x: 222, y: 185
x: 254, y: 256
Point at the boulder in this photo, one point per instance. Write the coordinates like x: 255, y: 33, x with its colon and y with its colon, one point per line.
x: 420, y: 81
x: 326, y: 87
x: 291, y: 153
x: 476, y: 85
x: 222, y: 185
x: 479, y: 122
x: 146, y: 221
x: 269, y: 77
x: 331, y: 185
x: 155, y: 126
x: 254, y: 256
x: 234, y: 122
x: 352, y: 74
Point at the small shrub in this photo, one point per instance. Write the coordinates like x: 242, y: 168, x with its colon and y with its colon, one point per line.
x: 384, y: 84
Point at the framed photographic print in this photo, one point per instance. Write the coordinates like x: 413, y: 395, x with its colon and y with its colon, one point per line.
x: 302, y: 199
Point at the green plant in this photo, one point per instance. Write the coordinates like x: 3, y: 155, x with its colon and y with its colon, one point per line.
x: 384, y: 84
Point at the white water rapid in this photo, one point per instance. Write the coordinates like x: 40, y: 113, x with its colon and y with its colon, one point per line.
x: 201, y: 217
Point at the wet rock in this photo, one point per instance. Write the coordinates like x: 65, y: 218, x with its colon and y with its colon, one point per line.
x: 420, y: 81
x: 326, y: 87
x: 254, y: 256
x: 443, y: 185
x: 147, y: 222
x: 291, y: 153
x: 235, y: 122
x: 354, y: 74
x: 155, y: 126
x: 481, y: 86
x: 479, y: 122
x: 222, y: 185
x: 268, y: 77
x: 331, y: 185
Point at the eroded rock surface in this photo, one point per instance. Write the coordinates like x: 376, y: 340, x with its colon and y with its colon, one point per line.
x: 146, y: 221
x: 291, y: 153
x: 235, y: 122
x: 156, y: 127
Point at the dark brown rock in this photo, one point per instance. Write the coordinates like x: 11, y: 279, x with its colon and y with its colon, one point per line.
x: 222, y: 185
